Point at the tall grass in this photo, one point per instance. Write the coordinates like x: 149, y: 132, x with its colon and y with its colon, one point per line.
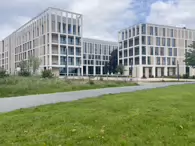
x: 18, y: 86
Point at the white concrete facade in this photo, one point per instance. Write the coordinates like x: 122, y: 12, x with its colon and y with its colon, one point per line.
x: 154, y: 50
x: 55, y: 36
x: 95, y: 55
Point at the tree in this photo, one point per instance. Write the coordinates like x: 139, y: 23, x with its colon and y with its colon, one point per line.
x: 120, y: 68
x: 113, y: 62
x: 190, y: 56
x: 23, y: 65
x: 26, y: 66
x: 34, y: 63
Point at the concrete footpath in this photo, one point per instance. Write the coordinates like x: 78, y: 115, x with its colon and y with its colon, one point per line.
x: 14, y: 103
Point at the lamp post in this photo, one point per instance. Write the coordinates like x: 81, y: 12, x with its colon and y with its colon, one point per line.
x: 131, y: 70
x: 66, y: 62
x: 178, y: 70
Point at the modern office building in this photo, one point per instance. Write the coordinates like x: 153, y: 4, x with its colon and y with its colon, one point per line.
x: 155, y: 50
x: 95, y: 55
x: 55, y: 36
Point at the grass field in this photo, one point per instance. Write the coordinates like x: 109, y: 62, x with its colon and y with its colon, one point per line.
x: 18, y: 86
x: 158, y: 117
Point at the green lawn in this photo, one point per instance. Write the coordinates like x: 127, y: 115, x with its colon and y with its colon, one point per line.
x: 159, y: 117
x: 18, y: 86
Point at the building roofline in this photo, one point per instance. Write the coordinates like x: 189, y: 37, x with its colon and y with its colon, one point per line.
x: 49, y: 8
x: 171, y: 26
x: 99, y: 41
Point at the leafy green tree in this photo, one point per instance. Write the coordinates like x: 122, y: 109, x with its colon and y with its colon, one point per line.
x: 190, y: 56
x: 120, y: 68
x: 34, y: 63
x: 113, y: 62
x: 111, y: 65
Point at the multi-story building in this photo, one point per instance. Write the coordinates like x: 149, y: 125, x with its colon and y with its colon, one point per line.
x: 155, y: 50
x: 55, y: 36
x: 95, y: 55
x: 1, y: 47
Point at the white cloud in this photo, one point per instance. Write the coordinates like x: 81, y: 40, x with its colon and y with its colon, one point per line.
x: 102, y: 18
x: 171, y: 13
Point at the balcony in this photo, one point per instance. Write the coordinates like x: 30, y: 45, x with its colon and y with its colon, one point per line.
x: 54, y: 60
x: 54, y: 49
x: 63, y: 42
x: 63, y: 39
x: 63, y: 50
x: 70, y: 50
x: 54, y: 38
x: 71, y: 40
x: 78, y: 41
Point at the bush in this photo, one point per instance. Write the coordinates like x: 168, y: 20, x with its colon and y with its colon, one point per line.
x: 101, y: 79
x: 24, y: 73
x: 3, y: 73
x: 91, y: 82
x: 185, y: 76
x: 151, y: 76
x: 47, y: 74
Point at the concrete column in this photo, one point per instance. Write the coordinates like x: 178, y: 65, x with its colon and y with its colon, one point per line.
x: 147, y: 72
x: 94, y: 70
x: 50, y: 41
x: 140, y: 75
x: 101, y: 70
x: 154, y: 71
x: 87, y: 70
x: 165, y: 71
x: 159, y: 72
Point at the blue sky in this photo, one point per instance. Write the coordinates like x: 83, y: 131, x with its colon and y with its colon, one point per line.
x: 102, y: 18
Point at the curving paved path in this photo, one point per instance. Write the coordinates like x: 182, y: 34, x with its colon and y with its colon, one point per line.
x: 14, y: 103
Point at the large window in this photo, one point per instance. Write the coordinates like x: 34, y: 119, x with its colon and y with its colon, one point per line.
x: 157, y: 60
x: 158, y: 41
x: 186, y: 43
x: 170, y: 52
x: 173, y: 61
x: 163, y: 61
x: 171, y: 32
x: 143, y: 40
x: 143, y: 50
x: 149, y: 40
x: 173, y: 43
x: 149, y: 60
x: 143, y: 28
x: 162, y: 51
x: 137, y: 51
x: 163, y: 42
x: 151, y: 51
x: 156, y: 51
x: 168, y: 42
x: 131, y: 52
x: 164, y: 32
x: 133, y: 31
x: 156, y: 31
x: 151, y: 30
x: 175, y: 52
x: 129, y: 32
x: 144, y: 60
x: 168, y: 61
x: 125, y: 53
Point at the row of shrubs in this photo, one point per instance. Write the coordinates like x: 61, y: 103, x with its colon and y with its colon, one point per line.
x: 25, y: 73
x: 184, y: 76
